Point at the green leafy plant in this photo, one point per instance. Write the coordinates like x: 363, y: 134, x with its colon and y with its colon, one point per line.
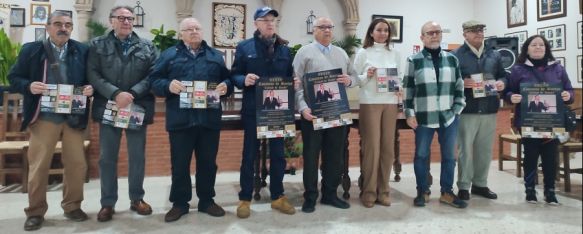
x: 293, y: 147
x: 348, y: 43
x: 294, y: 49
x: 163, y: 40
x: 96, y: 28
x: 8, y: 54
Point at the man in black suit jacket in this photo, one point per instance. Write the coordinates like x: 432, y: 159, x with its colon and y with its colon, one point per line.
x: 536, y: 105
x: 323, y: 95
x: 270, y: 102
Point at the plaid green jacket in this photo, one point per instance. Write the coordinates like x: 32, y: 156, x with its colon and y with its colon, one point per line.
x: 433, y: 103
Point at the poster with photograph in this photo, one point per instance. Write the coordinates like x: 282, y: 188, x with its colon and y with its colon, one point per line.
x: 131, y: 117
x: 63, y: 99
x: 542, y: 110
x: 484, y: 85
x: 327, y: 99
x: 199, y: 95
x: 274, y: 107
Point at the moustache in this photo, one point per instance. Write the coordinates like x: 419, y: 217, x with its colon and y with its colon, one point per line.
x: 62, y: 33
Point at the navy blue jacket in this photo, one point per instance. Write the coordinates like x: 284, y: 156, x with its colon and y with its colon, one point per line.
x: 30, y: 67
x: 251, y: 57
x: 177, y: 63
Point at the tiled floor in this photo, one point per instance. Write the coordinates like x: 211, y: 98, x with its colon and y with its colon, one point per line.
x: 508, y: 214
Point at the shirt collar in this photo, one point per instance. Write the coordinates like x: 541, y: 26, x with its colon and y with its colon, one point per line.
x: 323, y: 48
x: 61, y: 51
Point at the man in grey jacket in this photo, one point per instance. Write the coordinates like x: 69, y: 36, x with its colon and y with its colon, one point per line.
x: 118, y: 66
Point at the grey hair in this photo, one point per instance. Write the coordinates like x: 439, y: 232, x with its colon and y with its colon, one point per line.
x: 114, y: 9
x: 57, y: 14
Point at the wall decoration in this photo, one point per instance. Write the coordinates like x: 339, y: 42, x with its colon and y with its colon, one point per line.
x: 69, y: 13
x: 17, y: 17
x: 521, y: 35
x: 555, y: 35
x: 561, y: 61
x: 515, y: 13
x: 579, y: 68
x: 40, y: 34
x: 580, y: 34
x: 228, y: 24
x: 396, y: 23
x: 550, y: 9
x: 39, y: 13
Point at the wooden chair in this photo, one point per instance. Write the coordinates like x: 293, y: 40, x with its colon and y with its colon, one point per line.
x: 510, y: 138
x: 574, y: 145
x: 12, y: 139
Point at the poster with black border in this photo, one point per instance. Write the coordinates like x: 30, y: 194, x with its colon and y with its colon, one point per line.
x: 327, y: 99
x: 542, y: 110
x: 275, y: 107
x: 131, y: 117
x: 63, y: 99
x: 199, y: 95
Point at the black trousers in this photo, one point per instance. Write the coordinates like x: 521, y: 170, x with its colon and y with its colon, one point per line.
x: 547, y: 150
x: 205, y: 144
x: 331, y: 143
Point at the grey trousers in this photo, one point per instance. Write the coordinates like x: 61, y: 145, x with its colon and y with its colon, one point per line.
x: 475, y: 138
x: 109, y: 142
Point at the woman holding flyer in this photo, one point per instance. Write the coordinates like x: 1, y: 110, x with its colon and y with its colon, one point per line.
x: 536, y: 64
x: 377, y: 66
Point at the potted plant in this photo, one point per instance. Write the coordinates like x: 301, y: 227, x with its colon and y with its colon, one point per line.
x: 293, y: 148
x: 95, y: 28
x: 163, y: 40
x: 8, y: 53
x: 348, y: 43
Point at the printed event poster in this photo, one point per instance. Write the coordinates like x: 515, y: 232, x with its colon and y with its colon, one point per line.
x: 542, y: 110
x: 484, y: 85
x: 387, y: 80
x: 200, y: 95
x: 131, y: 117
x: 274, y: 106
x: 63, y: 99
x: 327, y: 99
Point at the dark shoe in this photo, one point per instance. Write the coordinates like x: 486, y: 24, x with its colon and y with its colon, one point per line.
x: 484, y: 192
x: 76, y: 215
x: 174, y: 214
x: 33, y: 223
x: 464, y: 194
x: 141, y: 207
x: 309, y: 206
x: 531, y: 196
x: 451, y: 199
x: 105, y: 214
x: 335, y: 202
x: 419, y: 200
x: 550, y: 197
x: 214, y: 210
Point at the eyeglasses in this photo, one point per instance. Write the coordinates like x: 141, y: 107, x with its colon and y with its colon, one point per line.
x: 61, y: 24
x: 324, y: 27
x: 476, y: 30
x: 433, y: 33
x: 124, y: 18
x: 191, y: 30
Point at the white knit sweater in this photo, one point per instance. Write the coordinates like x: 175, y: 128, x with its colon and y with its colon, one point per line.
x: 380, y: 57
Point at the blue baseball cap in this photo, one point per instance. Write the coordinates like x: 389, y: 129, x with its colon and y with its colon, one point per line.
x: 261, y: 12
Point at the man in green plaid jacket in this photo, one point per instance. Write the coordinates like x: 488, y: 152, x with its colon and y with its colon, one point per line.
x: 434, y: 98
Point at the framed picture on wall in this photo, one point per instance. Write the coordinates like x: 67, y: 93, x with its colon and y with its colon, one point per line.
x: 555, y: 35
x: 550, y: 9
x: 515, y: 13
x: 521, y: 35
x: 40, y: 34
x: 69, y: 13
x: 580, y: 34
x: 396, y: 23
x: 17, y: 17
x: 39, y: 13
x: 228, y: 24
x: 561, y: 61
x: 579, y: 68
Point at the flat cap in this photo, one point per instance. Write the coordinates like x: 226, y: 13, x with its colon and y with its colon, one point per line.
x: 472, y: 24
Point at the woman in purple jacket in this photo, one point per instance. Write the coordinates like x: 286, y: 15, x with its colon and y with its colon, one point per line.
x: 536, y: 58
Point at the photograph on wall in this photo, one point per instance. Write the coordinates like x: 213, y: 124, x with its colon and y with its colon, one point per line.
x: 228, y: 24
x: 40, y: 34
x: 579, y: 68
x: 550, y: 9
x: 69, y: 13
x: 515, y: 13
x: 327, y: 99
x: 555, y: 35
x: 521, y: 35
x: 274, y: 107
x: 17, y: 17
x: 542, y: 110
x: 39, y: 13
x: 580, y: 34
x: 396, y: 23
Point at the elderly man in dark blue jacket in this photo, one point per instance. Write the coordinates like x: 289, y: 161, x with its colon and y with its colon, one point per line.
x: 191, y: 129
x: 57, y: 60
x: 264, y: 55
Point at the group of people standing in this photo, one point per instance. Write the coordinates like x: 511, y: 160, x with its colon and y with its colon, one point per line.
x: 127, y: 69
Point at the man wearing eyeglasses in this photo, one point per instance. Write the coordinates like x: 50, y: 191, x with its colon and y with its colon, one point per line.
x: 118, y: 65
x: 477, y: 123
x: 434, y: 98
x: 56, y: 60
x: 264, y: 55
x: 321, y: 55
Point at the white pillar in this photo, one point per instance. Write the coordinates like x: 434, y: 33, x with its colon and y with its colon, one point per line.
x: 183, y: 9
x: 84, y: 10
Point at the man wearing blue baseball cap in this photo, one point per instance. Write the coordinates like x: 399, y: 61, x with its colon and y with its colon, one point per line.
x: 264, y: 55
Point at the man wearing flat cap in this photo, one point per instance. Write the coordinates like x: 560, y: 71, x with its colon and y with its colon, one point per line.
x: 477, y: 123
x: 265, y: 55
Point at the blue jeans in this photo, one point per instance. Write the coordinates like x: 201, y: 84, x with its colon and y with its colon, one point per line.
x: 447, y: 139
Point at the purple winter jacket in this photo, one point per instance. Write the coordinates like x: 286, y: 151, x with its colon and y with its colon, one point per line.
x: 521, y: 73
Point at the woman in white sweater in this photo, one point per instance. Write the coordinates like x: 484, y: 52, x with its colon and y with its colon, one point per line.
x: 378, y: 68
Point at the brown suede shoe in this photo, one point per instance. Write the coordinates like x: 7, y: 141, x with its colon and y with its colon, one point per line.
x: 76, y: 215
x: 141, y: 207
x: 174, y: 214
x: 33, y: 223
x: 214, y: 210
x: 105, y: 214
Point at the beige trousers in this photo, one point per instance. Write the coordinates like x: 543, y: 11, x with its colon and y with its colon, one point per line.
x: 377, y: 124
x: 43, y: 138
